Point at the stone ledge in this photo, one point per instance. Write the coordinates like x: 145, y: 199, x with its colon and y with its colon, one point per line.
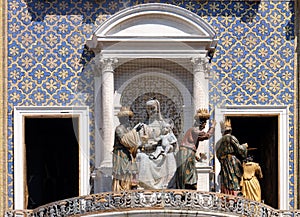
x: 153, y: 203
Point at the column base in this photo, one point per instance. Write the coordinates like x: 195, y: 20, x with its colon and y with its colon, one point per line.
x: 203, y: 173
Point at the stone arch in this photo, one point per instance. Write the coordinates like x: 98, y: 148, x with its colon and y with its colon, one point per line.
x: 169, y: 110
x: 180, y: 22
x: 168, y: 90
x: 150, y: 29
x: 150, y: 83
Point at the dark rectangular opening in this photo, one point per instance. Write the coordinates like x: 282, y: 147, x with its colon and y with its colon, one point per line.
x: 52, y: 159
x: 261, y: 132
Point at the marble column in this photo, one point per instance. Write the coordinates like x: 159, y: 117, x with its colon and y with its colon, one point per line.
x: 107, y: 109
x: 105, y: 120
x: 201, y: 100
x: 200, y: 83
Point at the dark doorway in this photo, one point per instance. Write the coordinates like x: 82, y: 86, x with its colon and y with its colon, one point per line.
x: 261, y: 133
x: 52, y: 159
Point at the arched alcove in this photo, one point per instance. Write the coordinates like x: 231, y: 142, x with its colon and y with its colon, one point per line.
x: 166, y: 89
x: 148, y: 36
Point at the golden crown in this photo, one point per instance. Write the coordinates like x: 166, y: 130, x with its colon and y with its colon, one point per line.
x: 125, y: 112
x: 225, y: 125
x: 202, y: 113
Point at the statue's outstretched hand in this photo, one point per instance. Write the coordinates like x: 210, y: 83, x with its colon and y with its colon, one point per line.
x: 202, y: 156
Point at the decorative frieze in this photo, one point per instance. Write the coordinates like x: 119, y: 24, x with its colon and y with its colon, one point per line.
x: 143, y: 201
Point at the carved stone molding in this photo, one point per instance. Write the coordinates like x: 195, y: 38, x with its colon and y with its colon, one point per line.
x: 145, y: 202
x: 123, y: 34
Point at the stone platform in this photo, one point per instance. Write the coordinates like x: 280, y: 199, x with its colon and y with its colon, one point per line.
x: 153, y: 203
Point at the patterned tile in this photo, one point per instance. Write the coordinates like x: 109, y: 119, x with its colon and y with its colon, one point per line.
x: 253, y: 63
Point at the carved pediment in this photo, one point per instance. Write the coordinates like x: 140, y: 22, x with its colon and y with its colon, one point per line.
x: 155, y: 24
x: 151, y: 29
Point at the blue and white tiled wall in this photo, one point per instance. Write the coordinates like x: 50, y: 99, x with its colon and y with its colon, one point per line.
x: 254, y: 63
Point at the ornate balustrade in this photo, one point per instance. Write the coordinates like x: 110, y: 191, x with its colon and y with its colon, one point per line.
x: 153, y: 203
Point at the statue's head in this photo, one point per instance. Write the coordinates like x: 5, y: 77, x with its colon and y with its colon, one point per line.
x: 226, y: 126
x: 125, y: 114
x: 153, y: 108
x: 202, y: 115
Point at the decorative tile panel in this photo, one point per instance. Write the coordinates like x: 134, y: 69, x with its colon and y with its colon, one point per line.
x: 48, y: 61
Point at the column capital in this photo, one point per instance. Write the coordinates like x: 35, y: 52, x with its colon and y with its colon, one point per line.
x: 200, y: 64
x: 108, y: 64
x: 101, y: 65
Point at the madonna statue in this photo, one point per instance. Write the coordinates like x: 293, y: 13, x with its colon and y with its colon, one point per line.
x: 155, y: 158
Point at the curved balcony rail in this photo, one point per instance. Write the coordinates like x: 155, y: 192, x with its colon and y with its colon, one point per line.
x: 152, y: 203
